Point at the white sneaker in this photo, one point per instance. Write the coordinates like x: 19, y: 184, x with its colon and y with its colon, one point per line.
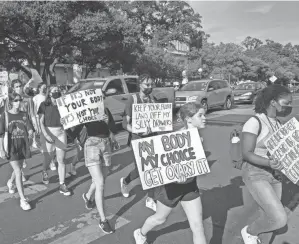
x: 25, y: 205
x: 11, y: 187
x: 249, y: 239
x: 53, y: 166
x: 124, y: 188
x: 73, y: 170
x: 139, y: 238
x: 24, y: 164
x: 150, y: 203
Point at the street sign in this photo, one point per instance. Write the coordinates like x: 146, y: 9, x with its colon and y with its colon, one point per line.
x: 273, y: 78
x: 3, y: 76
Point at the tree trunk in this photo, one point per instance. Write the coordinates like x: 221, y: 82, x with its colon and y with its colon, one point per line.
x: 48, y: 75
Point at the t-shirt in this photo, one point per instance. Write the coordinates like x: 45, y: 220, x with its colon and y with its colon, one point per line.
x: 268, y: 128
x: 18, y: 141
x: 37, y: 100
x: 52, y: 116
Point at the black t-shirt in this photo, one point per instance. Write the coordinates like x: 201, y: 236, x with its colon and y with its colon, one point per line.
x: 52, y: 116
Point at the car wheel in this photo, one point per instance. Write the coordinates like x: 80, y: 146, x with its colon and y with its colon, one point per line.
x: 228, y: 103
x: 204, y: 104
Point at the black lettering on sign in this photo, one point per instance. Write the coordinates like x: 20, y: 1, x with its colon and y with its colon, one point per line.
x: 153, y: 160
x: 93, y: 111
x: 67, y: 119
x: 286, y: 162
x: 146, y: 147
x: 293, y: 155
x: 177, y: 156
x: 81, y: 114
x: 295, y: 135
x: 201, y: 166
x: 90, y: 92
x: 271, y: 145
x: 153, y: 177
x: 292, y: 175
x: 284, y: 131
x: 87, y: 119
x: 76, y: 95
x: 76, y: 104
x: 96, y: 99
x: 290, y: 142
x: 173, y: 141
x: 291, y: 125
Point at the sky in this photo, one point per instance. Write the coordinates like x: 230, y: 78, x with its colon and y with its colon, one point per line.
x: 233, y: 21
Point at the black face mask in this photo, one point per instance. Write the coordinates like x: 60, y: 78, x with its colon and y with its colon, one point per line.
x: 147, y: 91
x: 285, y: 111
x: 56, y: 95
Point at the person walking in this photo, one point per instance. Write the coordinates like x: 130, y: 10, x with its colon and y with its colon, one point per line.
x: 19, y: 131
x: 184, y: 191
x: 144, y: 96
x: 259, y: 171
x: 53, y: 138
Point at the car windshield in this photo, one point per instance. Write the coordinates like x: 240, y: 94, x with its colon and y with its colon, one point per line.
x: 246, y: 87
x: 195, y: 86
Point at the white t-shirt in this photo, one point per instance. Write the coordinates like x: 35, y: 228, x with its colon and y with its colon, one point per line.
x: 184, y: 81
x: 37, y: 100
x: 252, y: 126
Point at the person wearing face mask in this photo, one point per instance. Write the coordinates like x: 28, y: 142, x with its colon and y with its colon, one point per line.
x: 185, y: 191
x: 144, y: 96
x: 19, y: 128
x: 259, y: 172
x: 53, y: 138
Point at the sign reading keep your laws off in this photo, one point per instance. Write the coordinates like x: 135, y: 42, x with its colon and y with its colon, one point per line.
x: 81, y: 107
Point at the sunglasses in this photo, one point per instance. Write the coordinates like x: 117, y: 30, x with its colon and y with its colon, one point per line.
x: 18, y: 100
x: 19, y: 86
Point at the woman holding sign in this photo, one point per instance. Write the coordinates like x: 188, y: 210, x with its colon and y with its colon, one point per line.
x: 53, y: 138
x: 185, y: 191
x: 260, y: 170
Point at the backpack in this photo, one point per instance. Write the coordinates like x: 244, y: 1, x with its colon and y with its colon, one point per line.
x: 235, y: 145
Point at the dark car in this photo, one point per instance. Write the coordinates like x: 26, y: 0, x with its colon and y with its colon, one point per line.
x: 246, y: 92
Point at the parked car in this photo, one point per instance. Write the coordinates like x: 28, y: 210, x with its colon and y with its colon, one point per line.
x: 246, y: 92
x: 210, y: 93
x: 117, y: 89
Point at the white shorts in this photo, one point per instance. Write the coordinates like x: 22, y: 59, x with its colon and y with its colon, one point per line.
x: 58, y: 135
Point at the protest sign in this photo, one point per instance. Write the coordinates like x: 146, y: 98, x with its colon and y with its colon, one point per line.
x: 283, y: 145
x: 157, y: 116
x: 162, y: 159
x: 81, y: 107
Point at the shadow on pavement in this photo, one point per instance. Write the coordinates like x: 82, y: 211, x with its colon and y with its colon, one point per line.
x: 216, y: 204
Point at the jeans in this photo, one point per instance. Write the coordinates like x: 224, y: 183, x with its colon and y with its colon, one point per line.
x: 266, y: 190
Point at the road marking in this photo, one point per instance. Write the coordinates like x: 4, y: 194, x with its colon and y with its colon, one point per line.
x: 86, y: 231
x: 30, y: 188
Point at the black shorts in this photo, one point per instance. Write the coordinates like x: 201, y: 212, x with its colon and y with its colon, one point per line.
x: 171, y: 194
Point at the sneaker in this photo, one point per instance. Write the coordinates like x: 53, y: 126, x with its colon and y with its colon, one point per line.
x: 89, y: 204
x: 11, y: 187
x: 24, y: 164
x: 53, y: 166
x: 23, y: 177
x: 64, y: 190
x: 139, y: 238
x: 105, y: 226
x: 73, y: 170
x: 150, y: 203
x: 24, y: 204
x: 247, y: 238
x: 45, y: 177
x: 124, y: 188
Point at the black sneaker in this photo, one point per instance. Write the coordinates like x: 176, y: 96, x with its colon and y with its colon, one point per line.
x: 89, y: 204
x: 45, y: 177
x: 64, y: 190
x: 105, y: 226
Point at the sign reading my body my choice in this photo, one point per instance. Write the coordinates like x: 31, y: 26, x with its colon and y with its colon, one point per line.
x: 162, y: 159
x: 283, y: 145
x: 81, y: 107
x: 157, y: 116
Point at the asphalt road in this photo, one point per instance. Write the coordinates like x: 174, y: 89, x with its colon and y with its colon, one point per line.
x: 56, y: 219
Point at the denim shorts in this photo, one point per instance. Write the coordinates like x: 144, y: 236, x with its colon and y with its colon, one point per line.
x: 97, y: 151
x: 252, y: 172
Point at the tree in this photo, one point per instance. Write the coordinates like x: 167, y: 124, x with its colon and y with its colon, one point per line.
x: 251, y: 43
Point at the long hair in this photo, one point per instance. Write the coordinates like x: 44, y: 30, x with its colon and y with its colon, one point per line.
x: 11, y: 97
x: 265, y: 96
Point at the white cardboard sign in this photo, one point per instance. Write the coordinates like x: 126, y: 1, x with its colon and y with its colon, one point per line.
x: 283, y: 145
x: 162, y: 159
x: 81, y: 107
x: 157, y: 116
